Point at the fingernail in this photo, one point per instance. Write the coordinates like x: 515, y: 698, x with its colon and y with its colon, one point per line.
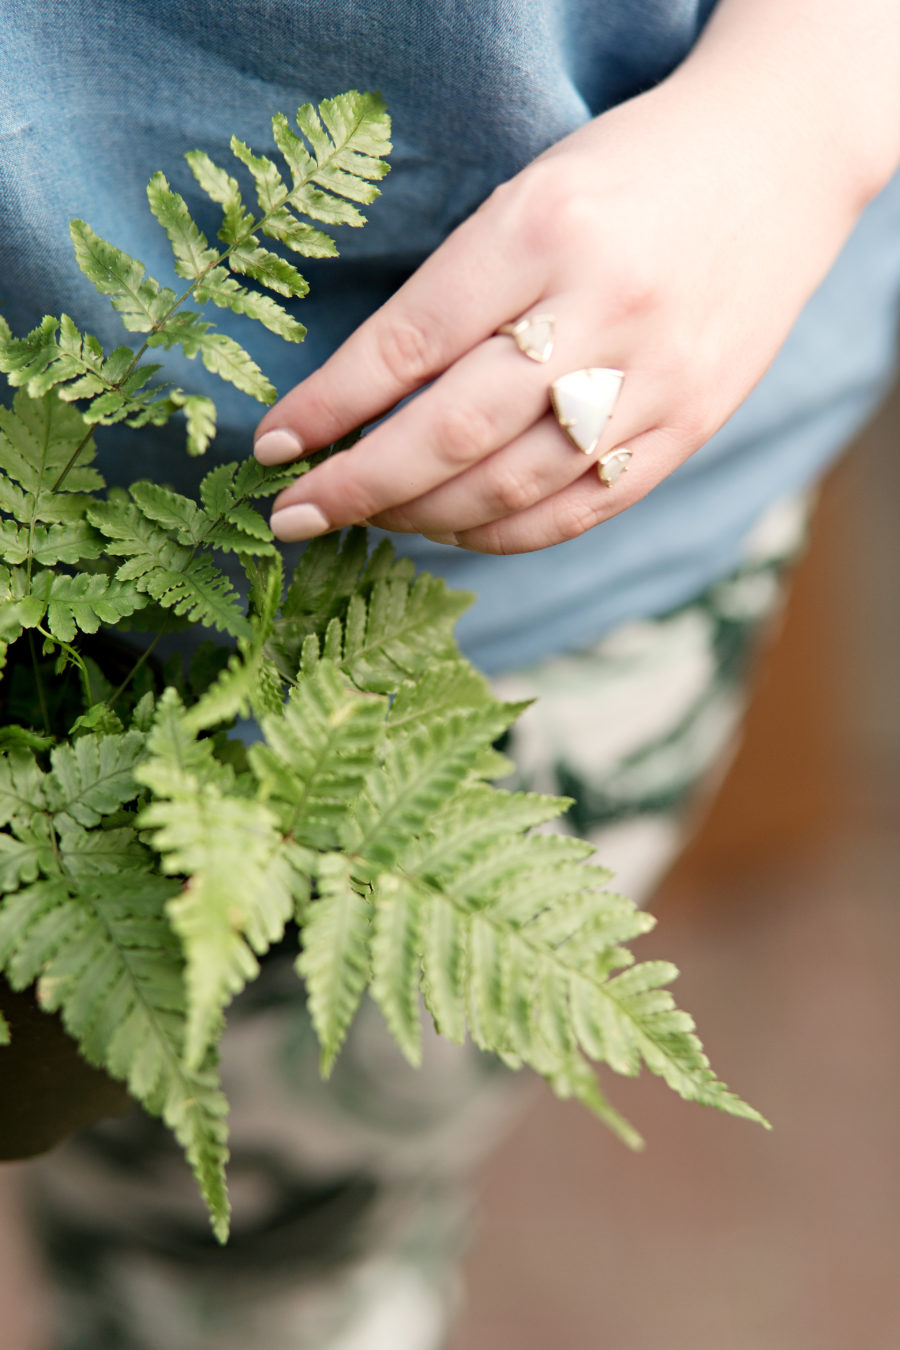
x: 443, y: 539
x: 277, y: 447
x: 303, y: 521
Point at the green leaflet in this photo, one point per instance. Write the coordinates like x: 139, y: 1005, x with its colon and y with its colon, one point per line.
x: 94, y: 775
x: 318, y: 754
x: 106, y: 961
x: 240, y: 894
x: 335, y: 957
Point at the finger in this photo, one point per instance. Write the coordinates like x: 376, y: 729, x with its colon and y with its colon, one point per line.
x: 458, y: 297
x: 538, y: 464
x: 486, y: 400
x: 584, y: 503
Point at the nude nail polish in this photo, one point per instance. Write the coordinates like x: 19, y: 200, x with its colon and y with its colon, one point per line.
x: 278, y: 446
x: 303, y: 521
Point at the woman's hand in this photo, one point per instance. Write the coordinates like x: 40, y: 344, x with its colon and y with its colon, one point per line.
x: 675, y: 238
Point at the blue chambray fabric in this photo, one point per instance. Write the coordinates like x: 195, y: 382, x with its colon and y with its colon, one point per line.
x: 95, y: 96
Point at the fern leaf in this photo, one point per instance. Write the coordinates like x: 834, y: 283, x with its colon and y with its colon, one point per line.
x: 200, y: 413
x: 445, y: 958
x: 298, y: 235
x: 269, y: 269
x: 475, y: 823
x: 94, y: 775
x: 141, y: 303
x: 83, y: 601
x: 271, y: 190
x: 224, y: 357
x: 239, y: 895
x: 225, y: 292
x: 237, y: 222
x: 167, y: 571
x: 318, y: 754
x: 335, y: 957
x: 249, y: 681
x: 415, y: 777
x: 107, y: 961
x: 21, y: 786
x: 396, y: 963
x: 38, y: 438
x: 193, y: 255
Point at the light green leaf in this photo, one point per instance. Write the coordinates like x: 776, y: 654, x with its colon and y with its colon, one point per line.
x: 190, y: 246
x: 335, y: 957
x: 396, y: 962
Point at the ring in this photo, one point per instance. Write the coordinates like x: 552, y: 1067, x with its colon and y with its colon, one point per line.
x: 532, y: 335
x: 611, y: 465
x: 583, y: 402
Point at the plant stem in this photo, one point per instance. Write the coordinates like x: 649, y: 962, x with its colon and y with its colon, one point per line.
x: 73, y: 458
x: 39, y: 684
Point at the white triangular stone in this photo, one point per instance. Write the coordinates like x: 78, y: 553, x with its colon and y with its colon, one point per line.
x: 583, y: 401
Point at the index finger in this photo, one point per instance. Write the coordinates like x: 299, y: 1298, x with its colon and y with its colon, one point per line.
x: 459, y: 296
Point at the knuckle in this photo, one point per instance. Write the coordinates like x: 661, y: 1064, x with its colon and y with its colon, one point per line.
x: 575, y: 516
x: 406, y: 352
x: 464, y: 435
x: 321, y: 409
x: 357, y: 502
x: 510, y: 491
x: 632, y: 292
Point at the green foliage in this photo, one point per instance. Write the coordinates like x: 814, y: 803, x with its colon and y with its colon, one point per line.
x: 148, y: 858
x: 337, y: 166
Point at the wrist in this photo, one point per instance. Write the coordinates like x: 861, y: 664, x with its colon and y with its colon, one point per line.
x: 820, y: 78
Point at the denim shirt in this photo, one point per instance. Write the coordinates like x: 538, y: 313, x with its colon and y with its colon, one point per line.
x: 96, y: 96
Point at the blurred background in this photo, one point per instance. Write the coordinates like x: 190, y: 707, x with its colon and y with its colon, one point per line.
x: 783, y: 917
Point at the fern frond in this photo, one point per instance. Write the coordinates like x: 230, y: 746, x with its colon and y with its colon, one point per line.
x: 105, y: 958
x: 224, y: 357
x: 239, y: 896
x: 70, y: 603
x: 335, y: 957
x: 167, y: 571
x: 396, y: 962
x: 379, y: 625
x: 141, y: 303
x: 318, y: 754
x: 413, y: 778
x: 225, y: 292
x: 238, y: 222
x: 193, y: 255
x: 249, y: 681
x: 94, y: 775
x: 21, y: 786
x: 38, y: 438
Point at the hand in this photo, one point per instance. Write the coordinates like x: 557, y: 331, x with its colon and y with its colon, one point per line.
x: 675, y: 238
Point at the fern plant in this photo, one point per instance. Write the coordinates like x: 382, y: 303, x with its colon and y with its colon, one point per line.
x: 148, y: 858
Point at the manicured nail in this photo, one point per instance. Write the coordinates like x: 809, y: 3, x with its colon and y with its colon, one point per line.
x: 278, y: 447
x: 303, y: 521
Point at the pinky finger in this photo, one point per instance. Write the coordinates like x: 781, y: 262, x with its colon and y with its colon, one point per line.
x: 583, y: 504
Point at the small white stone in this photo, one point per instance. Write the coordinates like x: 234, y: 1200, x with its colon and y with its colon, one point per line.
x: 583, y: 401
x: 612, y: 465
x: 536, y: 340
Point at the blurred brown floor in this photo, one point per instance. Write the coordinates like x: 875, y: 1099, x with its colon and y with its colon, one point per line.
x: 783, y: 918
